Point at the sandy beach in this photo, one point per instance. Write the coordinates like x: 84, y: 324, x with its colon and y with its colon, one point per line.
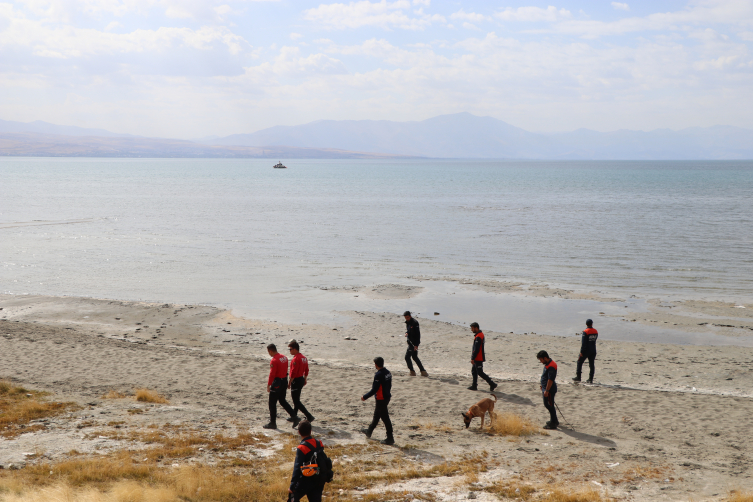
x: 682, y: 411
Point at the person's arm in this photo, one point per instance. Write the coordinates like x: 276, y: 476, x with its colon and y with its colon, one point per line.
x: 416, y: 335
x: 297, y: 474
x: 476, y: 349
x: 292, y: 367
x: 306, y: 374
x: 549, y: 384
x: 271, y: 375
x: 374, y: 387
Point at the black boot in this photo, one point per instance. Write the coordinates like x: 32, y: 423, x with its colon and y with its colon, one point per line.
x: 492, y: 386
x: 367, y: 432
x: 472, y: 387
x: 270, y: 425
x: 389, y: 441
x: 576, y: 379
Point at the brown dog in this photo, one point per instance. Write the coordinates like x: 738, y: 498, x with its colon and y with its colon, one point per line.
x: 479, y: 410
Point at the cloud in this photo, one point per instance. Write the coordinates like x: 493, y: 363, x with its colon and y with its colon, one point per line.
x: 383, y: 14
x: 471, y: 17
x: 533, y: 14
x: 620, y: 6
x: 295, y: 36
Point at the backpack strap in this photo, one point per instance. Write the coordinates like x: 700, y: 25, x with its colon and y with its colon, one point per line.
x: 308, y: 445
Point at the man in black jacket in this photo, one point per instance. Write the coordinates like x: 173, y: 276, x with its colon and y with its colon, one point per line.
x: 478, y: 356
x: 381, y: 389
x: 587, y: 351
x: 413, y: 334
x: 300, y: 485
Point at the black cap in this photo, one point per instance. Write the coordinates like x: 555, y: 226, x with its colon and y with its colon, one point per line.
x: 407, y: 312
x: 589, y: 322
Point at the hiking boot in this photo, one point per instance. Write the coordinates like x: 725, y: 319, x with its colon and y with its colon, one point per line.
x: 472, y: 387
x: 270, y: 425
x: 388, y: 441
x: 550, y: 426
x: 290, y: 419
x: 590, y: 380
x: 296, y: 421
x: 412, y: 373
x: 492, y: 386
x: 367, y: 432
x: 576, y: 379
x: 424, y: 373
x: 310, y: 418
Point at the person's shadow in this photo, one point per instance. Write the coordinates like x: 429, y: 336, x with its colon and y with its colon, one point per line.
x: 581, y: 436
x: 513, y: 398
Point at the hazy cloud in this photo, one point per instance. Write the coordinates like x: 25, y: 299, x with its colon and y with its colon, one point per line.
x: 533, y: 14
x: 620, y: 6
x: 381, y: 14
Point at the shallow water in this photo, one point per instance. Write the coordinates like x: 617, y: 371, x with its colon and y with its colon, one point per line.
x: 239, y: 233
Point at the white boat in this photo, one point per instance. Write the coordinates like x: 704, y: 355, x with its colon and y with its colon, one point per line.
x: 279, y: 166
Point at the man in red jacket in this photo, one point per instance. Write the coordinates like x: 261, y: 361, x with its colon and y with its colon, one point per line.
x: 277, y: 386
x: 478, y: 356
x: 299, y: 376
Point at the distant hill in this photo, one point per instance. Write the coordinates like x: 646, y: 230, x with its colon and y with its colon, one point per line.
x: 460, y: 135
x: 463, y: 135
x: 40, y: 127
x: 50, y: 145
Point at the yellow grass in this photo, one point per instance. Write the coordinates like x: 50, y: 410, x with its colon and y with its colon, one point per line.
x: 19, y: 406
x: 113, y: 394
x: 149, y: 396
x: 517, y: 490
x: 740, y: 496
x: 582, y: 495
x: 510, y: 424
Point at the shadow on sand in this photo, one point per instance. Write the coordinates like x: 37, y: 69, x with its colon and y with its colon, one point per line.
x: 580, y: 436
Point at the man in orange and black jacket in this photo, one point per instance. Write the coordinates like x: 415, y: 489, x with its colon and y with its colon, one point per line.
x: 478, y: 356
x: 587, y: 351
x: 382, y: 390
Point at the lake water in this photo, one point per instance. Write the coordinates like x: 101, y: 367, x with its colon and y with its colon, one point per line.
x: 239, y: 233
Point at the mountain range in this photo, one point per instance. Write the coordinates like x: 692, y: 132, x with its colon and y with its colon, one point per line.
x: 460, y: 135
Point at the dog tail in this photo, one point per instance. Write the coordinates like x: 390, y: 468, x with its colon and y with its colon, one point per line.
x: 495, y: 397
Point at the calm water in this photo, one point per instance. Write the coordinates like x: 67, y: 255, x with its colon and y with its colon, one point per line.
x: 231, y: 232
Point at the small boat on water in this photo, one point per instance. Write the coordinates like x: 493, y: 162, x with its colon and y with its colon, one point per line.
x: 280, y: 166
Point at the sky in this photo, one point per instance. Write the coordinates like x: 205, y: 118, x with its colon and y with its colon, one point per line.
x: 200, y: 68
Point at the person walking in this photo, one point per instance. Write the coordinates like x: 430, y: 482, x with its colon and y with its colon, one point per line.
x: 381, y: 389
x: 302, y: 485
x: 277, y: 386
x: 478, y: 356
x: 549, y: 388
x: 413, y: 335
x: 587, y: 351
x: 299, y: 374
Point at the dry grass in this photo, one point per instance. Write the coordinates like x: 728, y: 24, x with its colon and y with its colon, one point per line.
x: 634, y: 473
x: 517, y: 490
x: 431, y: 426
x: 149, y: 396
x: 740, y: 496
x: 113, y: 394
x: 19, y: 406
x: 510, y: 424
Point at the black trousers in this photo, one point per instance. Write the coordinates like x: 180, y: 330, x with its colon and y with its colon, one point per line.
x: 591, y: 367
x: 412, y: 353
x: 296, y: 386
x: 277, y: 394
x: 382, y: 413
x: 312, y: 493
x: 549, y: 404
x: 478, y: 371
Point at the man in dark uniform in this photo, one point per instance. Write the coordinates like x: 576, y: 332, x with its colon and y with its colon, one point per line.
x: 299, y: 375
x: 478, y: 356
x: 300, y: 485
x: 587, y: 351
x: 549, y: 388
x: 413, y: 334
x: 277, y: 386
x: 381, y: 389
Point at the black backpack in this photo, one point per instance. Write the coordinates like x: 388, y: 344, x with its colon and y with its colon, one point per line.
x: 324, y: 472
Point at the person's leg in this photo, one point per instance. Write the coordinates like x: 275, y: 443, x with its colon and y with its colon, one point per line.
x: 549, y: 403
x: 418, y: 361
x: 408, y: 354
x: 272, y: 407
x: 299, y: 405
x: 281, y: 398
x: 480, y: 371
x: 579, y: 366
x: 375, y: 420
x: 591, y: 367
x: 385, y: 416
x: 474, y: 372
